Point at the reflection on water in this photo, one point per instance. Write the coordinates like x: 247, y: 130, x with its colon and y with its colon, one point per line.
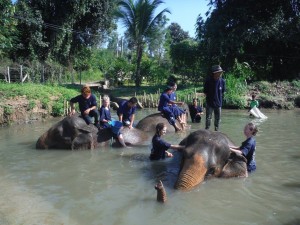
x: 116, y: 186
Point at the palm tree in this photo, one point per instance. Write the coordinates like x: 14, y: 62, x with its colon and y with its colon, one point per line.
x: 141, y: 23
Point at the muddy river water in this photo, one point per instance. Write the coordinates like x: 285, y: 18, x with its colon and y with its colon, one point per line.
x: 116, y: 186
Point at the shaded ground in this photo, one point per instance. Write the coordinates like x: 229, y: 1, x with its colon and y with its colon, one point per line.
x: 277, y: 95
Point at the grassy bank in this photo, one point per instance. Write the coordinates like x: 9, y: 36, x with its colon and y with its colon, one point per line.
x: 48, y: 97
x: 28, y: 99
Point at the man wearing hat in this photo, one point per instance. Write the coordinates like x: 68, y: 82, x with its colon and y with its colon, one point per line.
x: 214, y: 88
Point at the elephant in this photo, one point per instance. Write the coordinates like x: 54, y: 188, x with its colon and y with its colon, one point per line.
x: 73, y: 133
x: 149, y: 123
x: 206, y: 155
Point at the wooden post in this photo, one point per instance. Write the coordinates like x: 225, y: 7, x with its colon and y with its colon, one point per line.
x: 21, y: 73
x: 43, y: 74
x: 8, y: 74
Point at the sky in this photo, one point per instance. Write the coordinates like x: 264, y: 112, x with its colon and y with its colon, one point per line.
x: 184, y: 13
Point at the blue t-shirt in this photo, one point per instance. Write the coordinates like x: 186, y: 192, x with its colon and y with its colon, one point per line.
x: 159, y: 148
x: 104, y: 115
x: 248, y: 150
x: 126, y: 110
x: 163, y: 101
x: 84, y: 103
x: 214, y: 90
x: 173, y: 96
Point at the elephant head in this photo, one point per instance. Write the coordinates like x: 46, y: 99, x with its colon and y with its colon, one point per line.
x: 206, y: 155
x: 69, y: 133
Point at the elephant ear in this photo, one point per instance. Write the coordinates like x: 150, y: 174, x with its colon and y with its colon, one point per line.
x: 236, y: 166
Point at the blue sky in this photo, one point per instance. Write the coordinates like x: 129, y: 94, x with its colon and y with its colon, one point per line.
x: 184, y: 13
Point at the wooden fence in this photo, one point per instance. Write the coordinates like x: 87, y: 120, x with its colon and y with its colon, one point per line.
x: 13, y: 74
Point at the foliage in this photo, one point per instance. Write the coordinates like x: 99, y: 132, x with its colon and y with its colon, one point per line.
x: 8, y: 110
x: 177, y: 34
x: 52, y: 97
x: 236, y: 85
x: 120, y: 71
x: 186, y: 61
x: 263, y: 33
x: 59, y: 30
x: 8, y: 28
x: 141, y: 23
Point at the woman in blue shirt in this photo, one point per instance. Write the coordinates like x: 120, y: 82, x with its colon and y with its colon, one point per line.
x: 248, y: 147
x: 159, y: 146
x: 170, y: 111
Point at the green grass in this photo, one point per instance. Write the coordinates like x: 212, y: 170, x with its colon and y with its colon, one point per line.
x: 51, y: 96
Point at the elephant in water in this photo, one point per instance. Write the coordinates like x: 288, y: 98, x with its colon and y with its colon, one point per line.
x: 149, y: 123
x: 206, y: 155
x: 73, y: 133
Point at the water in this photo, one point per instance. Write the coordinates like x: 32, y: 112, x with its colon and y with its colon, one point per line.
x: 116, y: 186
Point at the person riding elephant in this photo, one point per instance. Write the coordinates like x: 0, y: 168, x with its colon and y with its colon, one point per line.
x: 73, y: 133
x: 170, y: 110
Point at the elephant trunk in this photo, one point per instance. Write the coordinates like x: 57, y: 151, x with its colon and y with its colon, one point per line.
x: 161, y: 192
x: 192, y: 173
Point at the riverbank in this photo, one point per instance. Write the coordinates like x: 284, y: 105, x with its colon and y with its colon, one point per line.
x: 21, y: 103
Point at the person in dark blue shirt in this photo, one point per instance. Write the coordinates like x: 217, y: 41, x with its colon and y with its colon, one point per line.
x: 195, y: 111
x: 169, y: 111
x: 180, y: 112
x: 214, y: 88
x: 126, y: 112
x: 105, y: 120
x: 248, y: 147
x: 159, y: 146
x: 87, y: 106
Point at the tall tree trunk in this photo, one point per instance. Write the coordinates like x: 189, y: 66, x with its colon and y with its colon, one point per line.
x: 139, y: 54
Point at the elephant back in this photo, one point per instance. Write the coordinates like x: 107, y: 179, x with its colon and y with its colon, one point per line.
x: 148, y: 124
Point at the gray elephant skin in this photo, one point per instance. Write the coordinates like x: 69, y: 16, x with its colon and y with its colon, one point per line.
x: 73, y: 133
x: 148, y: 124
x: 206, y: 154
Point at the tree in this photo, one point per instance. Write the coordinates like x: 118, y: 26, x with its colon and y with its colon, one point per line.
x: 177, y: 33
x: 59, y: 30
x: 8, y: 28
x: 141, y: 23
x: 266, y: 34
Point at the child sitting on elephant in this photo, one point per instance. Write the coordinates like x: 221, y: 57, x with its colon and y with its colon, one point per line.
x: 105, y: 119
x: 248, y: 147
x: 159, y: 146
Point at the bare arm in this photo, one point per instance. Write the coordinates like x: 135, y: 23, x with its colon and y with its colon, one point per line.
x: 72, y: 112
x: 177, y: 147
x: 120, y: 117
x: 131, y: 121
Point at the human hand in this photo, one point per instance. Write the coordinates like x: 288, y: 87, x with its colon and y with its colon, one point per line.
x: 169, y: 154
x: 72, y: 112
x: 86, y: 112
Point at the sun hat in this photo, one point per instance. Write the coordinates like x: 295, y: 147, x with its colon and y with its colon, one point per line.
x: 216, y: 69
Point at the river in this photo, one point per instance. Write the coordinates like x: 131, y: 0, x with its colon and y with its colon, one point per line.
x: 116, y: 186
